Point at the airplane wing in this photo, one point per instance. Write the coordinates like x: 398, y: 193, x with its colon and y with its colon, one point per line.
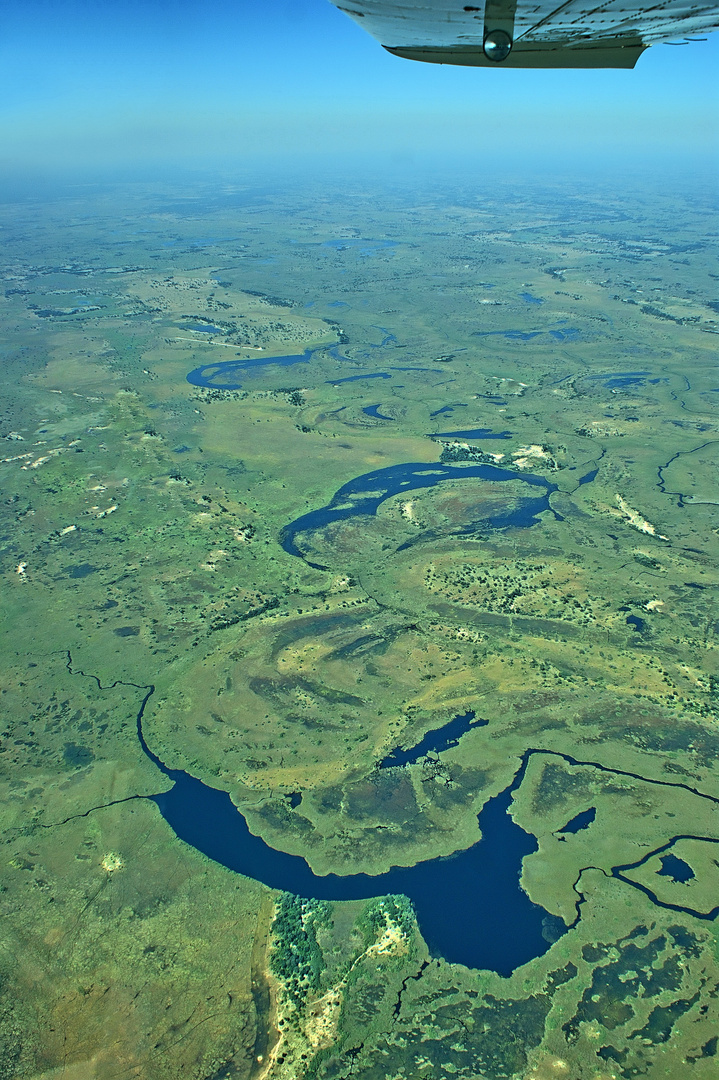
x: 531, y: 33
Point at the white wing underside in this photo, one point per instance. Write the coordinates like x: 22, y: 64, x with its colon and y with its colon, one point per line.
x: 546, y: 33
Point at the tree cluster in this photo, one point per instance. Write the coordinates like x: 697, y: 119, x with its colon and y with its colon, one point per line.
x: 296, y: 957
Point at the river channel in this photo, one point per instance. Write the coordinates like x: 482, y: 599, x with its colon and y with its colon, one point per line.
x: 366, y: 493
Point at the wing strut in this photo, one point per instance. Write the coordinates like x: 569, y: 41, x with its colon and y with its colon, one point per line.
x: 498, y: 29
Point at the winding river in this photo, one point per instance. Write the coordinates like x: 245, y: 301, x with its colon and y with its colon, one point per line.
x: 366, y: 493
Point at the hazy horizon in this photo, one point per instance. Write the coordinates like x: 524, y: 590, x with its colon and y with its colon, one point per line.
x: 122, y: 87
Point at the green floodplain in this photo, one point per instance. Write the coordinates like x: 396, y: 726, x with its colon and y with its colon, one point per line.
x: 141, y: 528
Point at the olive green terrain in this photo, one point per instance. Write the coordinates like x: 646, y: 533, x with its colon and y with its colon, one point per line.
x: 141, y: 519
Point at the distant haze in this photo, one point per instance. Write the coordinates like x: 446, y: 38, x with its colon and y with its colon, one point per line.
x: 152, y: 82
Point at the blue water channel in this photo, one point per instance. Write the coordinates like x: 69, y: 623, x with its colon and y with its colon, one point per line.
x: 471, y: 433
x: 373, y: 411
x: 365, y: 248
x: 447, y: 409
x: 223, y: 375
x: 366, y: 493
x: 434, y: 742
x: 203, y: 328
x: 560, y: 333
x: 621, y: 380
x: 579, y: 822
x: 357, y: 378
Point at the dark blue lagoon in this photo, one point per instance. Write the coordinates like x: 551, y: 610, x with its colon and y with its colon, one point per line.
x: 366, y: 493
x: 470, y: 906
x: 619, y: 380
x: 365, y: 247
x: 471, y: 433
x: 434, y: 742
x: 569, y: 334
x: 679, y: 871
x: 579, y: 821
x: 373, y: 411
x: 511, y: 335
x: 559, y: 333
x: 202, y: 328
x: 447, y: 409
x: 432, y: 371
x: 356, y: 378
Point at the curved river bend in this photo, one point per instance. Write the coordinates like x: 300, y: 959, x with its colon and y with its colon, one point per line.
x: 366, y: 493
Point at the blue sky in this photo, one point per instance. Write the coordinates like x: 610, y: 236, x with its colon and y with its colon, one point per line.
x: 97, y: 83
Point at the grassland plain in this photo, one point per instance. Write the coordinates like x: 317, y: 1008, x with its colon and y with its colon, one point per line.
x: 209, y: 551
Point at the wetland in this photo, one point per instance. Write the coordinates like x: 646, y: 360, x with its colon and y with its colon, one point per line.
x: 419, y: 728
